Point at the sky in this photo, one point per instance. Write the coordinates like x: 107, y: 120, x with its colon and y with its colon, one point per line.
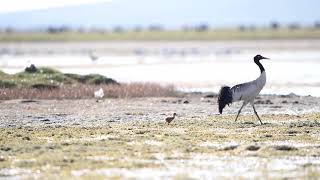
x: 169, y: 13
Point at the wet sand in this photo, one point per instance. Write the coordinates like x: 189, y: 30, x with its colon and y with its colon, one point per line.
x: 128, y: 138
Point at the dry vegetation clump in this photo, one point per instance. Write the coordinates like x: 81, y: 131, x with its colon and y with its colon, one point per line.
x: 83, y: 91
x: 47, y: 83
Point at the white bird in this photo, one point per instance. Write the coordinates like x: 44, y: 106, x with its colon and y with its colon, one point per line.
x: 93, y: 57
x: 245, y: 92
x: 99, y: 94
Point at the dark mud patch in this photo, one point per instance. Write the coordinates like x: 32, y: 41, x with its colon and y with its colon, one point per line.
x: 253, y: 148
x: 285, y: 148
x: 229, y: 148
x: 29, y: 101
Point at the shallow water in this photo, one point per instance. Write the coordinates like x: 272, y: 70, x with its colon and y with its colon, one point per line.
x: 190, y: 66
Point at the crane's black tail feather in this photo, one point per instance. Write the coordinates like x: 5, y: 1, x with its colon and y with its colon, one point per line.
x: 224, y: 98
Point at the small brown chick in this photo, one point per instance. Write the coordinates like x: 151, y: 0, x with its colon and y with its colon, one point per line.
x: 169, y: 119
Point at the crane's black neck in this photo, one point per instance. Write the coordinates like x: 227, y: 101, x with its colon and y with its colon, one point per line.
x: 260, y: 66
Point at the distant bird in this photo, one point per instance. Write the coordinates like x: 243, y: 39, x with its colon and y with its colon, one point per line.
x: 93, y: 57
x: 169, y: 119
x: 245, y: 92
x: 99, y: 94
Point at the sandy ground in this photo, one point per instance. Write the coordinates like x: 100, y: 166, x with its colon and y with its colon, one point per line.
x: 128, y: 138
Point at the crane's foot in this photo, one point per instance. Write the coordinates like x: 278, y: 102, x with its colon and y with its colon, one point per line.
x: 236, y: 118
x: 255, y: 112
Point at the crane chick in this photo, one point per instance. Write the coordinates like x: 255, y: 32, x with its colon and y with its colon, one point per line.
x: 169, y: 119
x: 245, y: 92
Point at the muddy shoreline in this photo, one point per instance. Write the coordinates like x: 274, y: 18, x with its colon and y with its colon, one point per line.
x: 128, y: 138
x: 88, y: 112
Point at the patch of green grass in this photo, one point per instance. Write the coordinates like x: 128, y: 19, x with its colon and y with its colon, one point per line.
x: 219, y: 34
x: 94, y: 79
x: 7, y: 84
x: 50, y: 78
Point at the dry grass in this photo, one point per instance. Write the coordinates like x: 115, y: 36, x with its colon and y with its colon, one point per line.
x: 81, y: 91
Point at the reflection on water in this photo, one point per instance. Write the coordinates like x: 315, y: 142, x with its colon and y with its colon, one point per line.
x: 293, y: 68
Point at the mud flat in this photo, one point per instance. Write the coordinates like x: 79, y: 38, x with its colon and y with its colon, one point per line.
x: 128, y: 138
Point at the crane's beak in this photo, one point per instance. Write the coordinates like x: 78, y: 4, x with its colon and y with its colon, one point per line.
x: 264, y: 58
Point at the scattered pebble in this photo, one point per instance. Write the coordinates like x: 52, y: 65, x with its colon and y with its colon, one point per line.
x: 264, y: 102
x: 253, y: 148
x: 292, y: 132
x: 26, y: 138
x: 276, y: 107
x: 45, y: 120
x: 2, y: 158
x: 268, y: 102
x: 65, y: 160
x: 186, y: 102
x: 28, y: 101
x: 228, y: 148
x: 210, y: 96
x: 5, y: 148
x: 285, y: 148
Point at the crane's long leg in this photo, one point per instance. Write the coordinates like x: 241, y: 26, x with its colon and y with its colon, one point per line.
x: 255, y: 112
x: 240, y: 111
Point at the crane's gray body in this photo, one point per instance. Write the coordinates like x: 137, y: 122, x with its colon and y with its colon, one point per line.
x: 246, y: 92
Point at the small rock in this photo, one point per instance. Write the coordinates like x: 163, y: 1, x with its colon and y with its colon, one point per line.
x: 276, y: 107
x: 284, y: 102
x: 268, y: 101
x: 248, y: 122
x: 186, y: 102
x: 5, y: 148
x: 210, y: 96
x: 284, y: 96
x: 228, y: 148
x: 295, y: 102
x: 28, y: 101
x: 292, y: 132
x: 65, y: 160
x: 259, y: 102
x: 2, y: 158
x: 26, y: 138
x: 65, y: 144
x: 253, y: 148
x: 285, y: 148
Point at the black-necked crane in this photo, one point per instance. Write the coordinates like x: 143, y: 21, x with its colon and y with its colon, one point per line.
x: 245, y: 92
x: 169, y: 119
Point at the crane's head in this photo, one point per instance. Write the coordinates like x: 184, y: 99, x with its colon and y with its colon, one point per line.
x: 258, y: 58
